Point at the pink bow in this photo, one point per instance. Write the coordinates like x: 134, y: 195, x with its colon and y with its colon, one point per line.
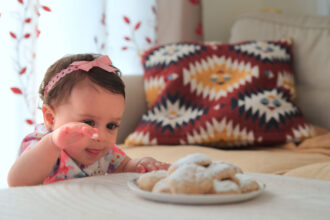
x: 102, y: 62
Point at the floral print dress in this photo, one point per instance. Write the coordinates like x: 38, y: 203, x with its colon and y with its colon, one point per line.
x: 67, y: 168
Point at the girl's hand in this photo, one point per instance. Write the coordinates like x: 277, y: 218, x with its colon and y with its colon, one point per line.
x: 148, y: 164
x: 74, y: 135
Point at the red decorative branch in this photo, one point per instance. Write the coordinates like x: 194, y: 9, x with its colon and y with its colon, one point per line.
x: 102, y: 45
x: 133, y: 31
x: 28, y: 31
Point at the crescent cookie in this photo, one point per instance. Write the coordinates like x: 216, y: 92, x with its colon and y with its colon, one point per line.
x: 225, y: 187
x: 220, y: 171
x: 148, y: 180
x: 198, y: 159
x: 190, y: 179
x: 237, y: 169
x: 161, y: 186
x: 246, y: 183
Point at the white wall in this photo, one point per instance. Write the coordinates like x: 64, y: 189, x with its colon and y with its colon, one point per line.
x: 218, y: 15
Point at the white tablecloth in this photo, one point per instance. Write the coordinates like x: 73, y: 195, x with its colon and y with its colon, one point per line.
x: 108, y: 197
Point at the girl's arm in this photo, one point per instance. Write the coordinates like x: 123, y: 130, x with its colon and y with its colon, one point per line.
x: 33, y: 166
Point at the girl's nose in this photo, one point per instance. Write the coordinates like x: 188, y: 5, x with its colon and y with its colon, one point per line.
x: 98, y: 135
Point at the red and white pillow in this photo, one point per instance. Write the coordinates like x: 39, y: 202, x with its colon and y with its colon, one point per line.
x: 222, y: 95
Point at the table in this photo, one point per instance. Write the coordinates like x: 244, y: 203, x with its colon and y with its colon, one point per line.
x: 108, y: 197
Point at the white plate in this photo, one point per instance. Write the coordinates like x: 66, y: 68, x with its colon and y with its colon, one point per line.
x: 194, y: 199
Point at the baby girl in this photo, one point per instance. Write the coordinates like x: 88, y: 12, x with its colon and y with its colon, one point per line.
x: 83, y: 103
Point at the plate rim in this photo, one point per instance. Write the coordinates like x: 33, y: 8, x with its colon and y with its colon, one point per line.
x: 195, y: 199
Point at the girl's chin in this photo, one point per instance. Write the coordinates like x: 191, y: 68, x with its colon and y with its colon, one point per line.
x: 87, y: 159
x: 85, y: 162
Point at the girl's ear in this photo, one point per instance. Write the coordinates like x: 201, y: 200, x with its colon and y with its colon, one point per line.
x: 49, y: 115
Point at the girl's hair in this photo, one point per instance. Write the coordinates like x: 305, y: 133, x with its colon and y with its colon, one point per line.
x: 62, y: 89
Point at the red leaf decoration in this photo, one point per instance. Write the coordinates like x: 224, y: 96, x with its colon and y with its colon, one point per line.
x: 127, y: 38
x: 46, y: 8
x: 199, y: 29
x: 27, y: 35
x: 137, y: 26
x: 23, y: 70
x: 124, y: 48
x: 16, y: 90
x: 195, y: 2
x: 12, y: 35
x: 28, y: 20
x: 20, y: 1
x: 29, y: 121
x: 126, y: 19
x: 103, y: 19
x: 37, y: 31
x: 148, y: 40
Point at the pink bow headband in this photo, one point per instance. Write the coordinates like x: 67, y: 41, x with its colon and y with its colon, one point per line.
x: 102, y: 62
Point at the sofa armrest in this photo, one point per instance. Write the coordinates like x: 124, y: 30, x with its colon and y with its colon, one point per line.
x: 135, y: 105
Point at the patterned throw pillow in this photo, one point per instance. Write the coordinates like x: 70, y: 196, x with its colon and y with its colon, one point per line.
x: 223, y: 95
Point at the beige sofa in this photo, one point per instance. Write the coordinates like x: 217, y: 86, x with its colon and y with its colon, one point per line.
x: 310, y: 159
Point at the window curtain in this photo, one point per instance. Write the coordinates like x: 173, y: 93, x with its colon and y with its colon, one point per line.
x: 19, y: 33
x: 35, y: 33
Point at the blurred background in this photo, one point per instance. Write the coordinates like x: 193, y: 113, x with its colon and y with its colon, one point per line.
x: 35, y: 33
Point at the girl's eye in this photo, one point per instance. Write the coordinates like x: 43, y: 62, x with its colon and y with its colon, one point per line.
x: 89, y: 122
x: 112, y: 126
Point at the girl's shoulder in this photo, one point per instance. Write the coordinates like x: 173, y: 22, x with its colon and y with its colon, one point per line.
x: 32, y: 138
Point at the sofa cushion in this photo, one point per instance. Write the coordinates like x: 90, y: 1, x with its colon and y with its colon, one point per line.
x: 319, y: 171
x: 311, y: 37
x: 222, y: 95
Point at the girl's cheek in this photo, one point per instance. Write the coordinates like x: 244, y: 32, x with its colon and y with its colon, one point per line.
x: 111, y: 144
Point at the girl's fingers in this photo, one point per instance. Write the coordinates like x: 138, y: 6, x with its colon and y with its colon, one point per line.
x: 91, y: 132
x: 141, y: 169
x: 66, y: 130
x: 151, y: 167
x: 162, y: 166
x: 165, y: 166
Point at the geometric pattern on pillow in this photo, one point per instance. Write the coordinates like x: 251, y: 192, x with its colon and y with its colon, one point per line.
x: 221, y: 95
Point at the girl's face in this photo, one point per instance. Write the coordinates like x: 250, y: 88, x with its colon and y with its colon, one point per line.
x: 97, y: 107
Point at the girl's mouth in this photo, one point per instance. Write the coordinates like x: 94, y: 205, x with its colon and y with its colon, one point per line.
x: 93, y: 152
